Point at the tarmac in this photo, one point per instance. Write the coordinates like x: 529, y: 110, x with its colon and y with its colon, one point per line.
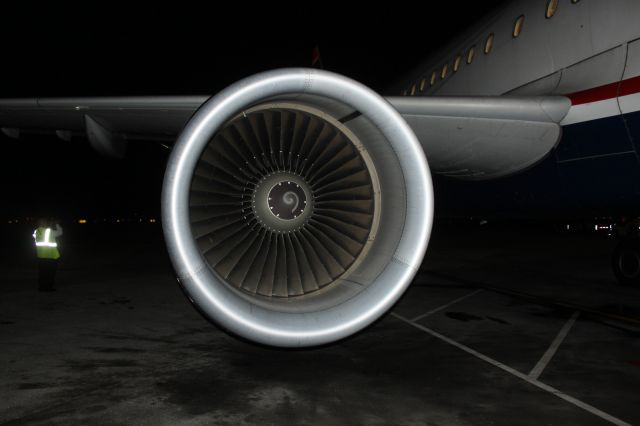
x: 502, y: 326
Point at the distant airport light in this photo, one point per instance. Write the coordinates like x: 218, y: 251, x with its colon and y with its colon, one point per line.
x: 152, y: 221
x: 82, y: 221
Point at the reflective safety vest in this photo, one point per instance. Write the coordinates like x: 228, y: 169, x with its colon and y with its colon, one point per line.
x: 46, y: 246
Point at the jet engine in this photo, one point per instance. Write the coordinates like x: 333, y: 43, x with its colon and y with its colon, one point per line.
x: 297, y: 207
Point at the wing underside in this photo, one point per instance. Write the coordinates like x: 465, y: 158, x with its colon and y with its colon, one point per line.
x: 485, y: 137
x: 463, y: 138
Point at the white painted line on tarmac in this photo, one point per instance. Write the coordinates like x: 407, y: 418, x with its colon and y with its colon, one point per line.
x: 516, y: 373
x: 562, y: 334
x: 453, y: 302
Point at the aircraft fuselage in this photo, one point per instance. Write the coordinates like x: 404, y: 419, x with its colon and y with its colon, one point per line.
x: 588, y: 51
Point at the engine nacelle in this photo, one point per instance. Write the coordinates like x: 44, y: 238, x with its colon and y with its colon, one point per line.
x: 297, y: 207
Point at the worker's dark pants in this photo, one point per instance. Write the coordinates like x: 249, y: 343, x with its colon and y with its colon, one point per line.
x: 46, y: 273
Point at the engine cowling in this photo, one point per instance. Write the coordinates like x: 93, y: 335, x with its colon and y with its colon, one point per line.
x: 297, y: 207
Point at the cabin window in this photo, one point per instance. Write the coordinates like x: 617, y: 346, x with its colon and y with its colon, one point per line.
x: 552, y: 5
x: 488, y: 45
x: 434, y: 76
x: 413, y: 90
x: 456, y: 63
x: 423, y: 83
x: 470, y: 54
x: 445, y: 69
x: 517, y: 26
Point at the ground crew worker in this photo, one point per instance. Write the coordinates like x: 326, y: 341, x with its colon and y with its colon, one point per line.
x: 48, y: 254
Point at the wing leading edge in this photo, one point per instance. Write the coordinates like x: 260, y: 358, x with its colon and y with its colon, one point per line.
x: 107, y: 122
x: 463, y: 138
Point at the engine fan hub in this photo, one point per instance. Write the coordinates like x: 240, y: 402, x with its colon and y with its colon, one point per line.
x: 287, y: 200
x: 282, y: 202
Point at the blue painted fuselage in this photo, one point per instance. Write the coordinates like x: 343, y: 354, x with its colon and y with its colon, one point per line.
x: 594, y: 170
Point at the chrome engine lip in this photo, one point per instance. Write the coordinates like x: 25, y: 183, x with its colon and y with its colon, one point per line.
x: 291, y: 329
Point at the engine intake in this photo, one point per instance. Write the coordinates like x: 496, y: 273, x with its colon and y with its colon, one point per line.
x: 283, y: 202
x: 297, y: 207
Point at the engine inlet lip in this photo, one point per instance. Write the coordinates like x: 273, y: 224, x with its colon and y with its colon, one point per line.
x: 256, y: 323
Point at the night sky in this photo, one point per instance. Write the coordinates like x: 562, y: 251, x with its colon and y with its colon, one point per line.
x: 108, y: 49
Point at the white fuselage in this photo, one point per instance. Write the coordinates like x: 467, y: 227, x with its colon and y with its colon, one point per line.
x: 589, y: 51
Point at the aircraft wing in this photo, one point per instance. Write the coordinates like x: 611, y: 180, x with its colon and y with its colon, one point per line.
x: 465, y: 138
x: 107, y: 122
x: 484, y: 137
x: 306, y: 218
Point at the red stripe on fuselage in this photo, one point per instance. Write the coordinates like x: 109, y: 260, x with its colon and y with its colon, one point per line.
x: 629, y: 86
x: 608, y: 91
